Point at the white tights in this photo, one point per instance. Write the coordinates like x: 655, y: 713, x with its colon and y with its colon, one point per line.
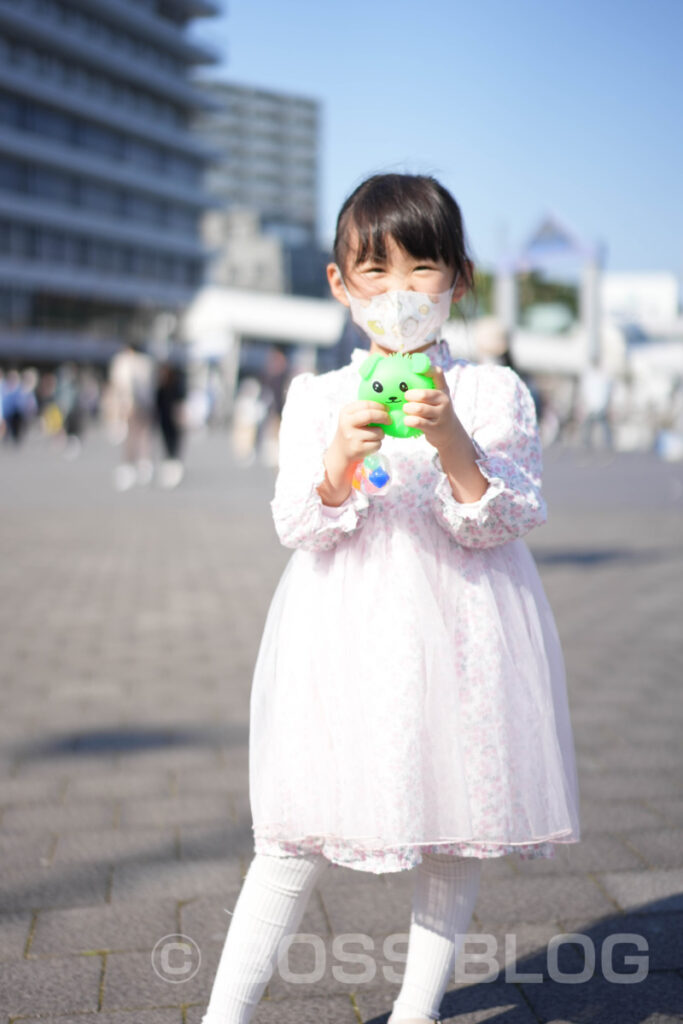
x: 271, y: 904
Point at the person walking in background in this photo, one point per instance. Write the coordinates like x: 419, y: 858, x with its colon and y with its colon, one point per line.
x: 408, y: 706
x: 16, y: 407
x: 595, y: 395
x: 69, y: 398
x: 169, y: 396
x: 131, y: 377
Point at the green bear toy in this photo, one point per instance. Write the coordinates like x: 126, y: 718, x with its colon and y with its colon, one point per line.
x: 387, y: 378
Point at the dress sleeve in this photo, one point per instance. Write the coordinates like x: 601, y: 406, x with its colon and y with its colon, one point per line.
x: 504, y: 432
x: 306, y: 429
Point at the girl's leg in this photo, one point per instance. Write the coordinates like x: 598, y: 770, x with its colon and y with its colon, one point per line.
x: 270, y: 905
x: 446, y: 889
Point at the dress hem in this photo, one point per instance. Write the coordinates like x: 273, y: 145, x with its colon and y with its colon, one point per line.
x: 398, y: 857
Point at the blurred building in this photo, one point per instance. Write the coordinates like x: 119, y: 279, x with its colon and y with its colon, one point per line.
x: 100, y: 172
x: 265, y: 182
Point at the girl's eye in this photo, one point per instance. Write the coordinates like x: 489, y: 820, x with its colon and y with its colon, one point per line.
x: 403, y: 386
x: 376, y: 386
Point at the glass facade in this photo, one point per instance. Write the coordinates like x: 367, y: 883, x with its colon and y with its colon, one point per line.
x: 101, y: 176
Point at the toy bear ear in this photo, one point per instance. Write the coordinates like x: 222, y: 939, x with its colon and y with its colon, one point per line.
x: 420, y: 362
x: 367, y: 368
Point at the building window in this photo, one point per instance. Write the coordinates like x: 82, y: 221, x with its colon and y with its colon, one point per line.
x: 50, y: 184
x: 12, y: 175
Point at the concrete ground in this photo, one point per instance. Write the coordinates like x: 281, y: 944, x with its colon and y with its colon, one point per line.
x: 129, y: 624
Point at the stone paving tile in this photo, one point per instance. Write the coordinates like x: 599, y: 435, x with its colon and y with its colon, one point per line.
x: 14, y: 932
x: 465, y: 1004
x: 206, y: 919
x: 134, y: 981
x: 313, y: 965
x: 538, y: 900
x: 507, y: 950
x: 64, y: 767
x: 357, y: 901
x: 663, y: 933
x: 671, y: 808
x: 120, y: 784
x: 227, y: 778
x: 184, y: 879
x: 26, y: 849
x: 172, y: 1016
x: 176, y: 810
x: 26, y: 791
x: 55, y: 886
x: 632, y: 783
x: 591, y: 854
x: 659, y: 849
x: 209, y: 841
x: 313, y: 1009
x: 61, y: 985
x: 114, y: 845
x: 597, y: 999
x: 130, y: 925
x: 86, y: 815
x: 645, y: 891
x: 615, y: 816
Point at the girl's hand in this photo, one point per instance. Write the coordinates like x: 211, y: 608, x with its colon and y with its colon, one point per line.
x: 353, y: 440
x: 432, y: 412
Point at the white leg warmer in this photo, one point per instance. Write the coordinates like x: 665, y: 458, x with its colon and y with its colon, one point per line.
x: 270, y: 905
x: 446, y: 889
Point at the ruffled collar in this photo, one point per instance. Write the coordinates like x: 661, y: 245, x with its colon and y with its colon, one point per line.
x: 439, y: 355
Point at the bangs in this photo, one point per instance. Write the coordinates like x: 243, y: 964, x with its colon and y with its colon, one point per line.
x: 413, y: 211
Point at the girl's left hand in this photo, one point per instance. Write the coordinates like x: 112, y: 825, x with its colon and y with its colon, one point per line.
x: 432, y: 412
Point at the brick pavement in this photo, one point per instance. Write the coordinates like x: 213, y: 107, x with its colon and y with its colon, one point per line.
x: 129, y: 625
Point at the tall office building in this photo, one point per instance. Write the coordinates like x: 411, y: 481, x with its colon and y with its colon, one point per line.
x: 100, y: 173
x: 268, y: 156
x: 265, y: 181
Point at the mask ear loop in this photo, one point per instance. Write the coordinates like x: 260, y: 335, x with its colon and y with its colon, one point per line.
x: 341, y: 277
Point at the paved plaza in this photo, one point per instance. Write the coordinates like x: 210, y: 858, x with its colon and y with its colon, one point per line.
x: 129, y: 624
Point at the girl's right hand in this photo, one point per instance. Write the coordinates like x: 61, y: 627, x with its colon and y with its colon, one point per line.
x: 354, y: 439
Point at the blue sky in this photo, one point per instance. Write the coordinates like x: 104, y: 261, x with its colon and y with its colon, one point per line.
x: 566, y: 106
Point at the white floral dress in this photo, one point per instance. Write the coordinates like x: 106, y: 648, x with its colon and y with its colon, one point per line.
x: 409, y: 693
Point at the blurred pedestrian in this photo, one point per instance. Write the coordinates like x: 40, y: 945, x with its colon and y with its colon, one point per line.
x: 248, y: 414
x: 169, y: 398
x: 69, y: 398
x: 595, y: 393
x: 14, y: 411
x: 131, y: 375
x: 274, y: 381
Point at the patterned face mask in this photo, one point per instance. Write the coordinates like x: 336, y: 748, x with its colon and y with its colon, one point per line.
x: 401, y: 321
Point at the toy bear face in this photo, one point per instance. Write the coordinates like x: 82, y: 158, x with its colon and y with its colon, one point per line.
x: 386, y: 379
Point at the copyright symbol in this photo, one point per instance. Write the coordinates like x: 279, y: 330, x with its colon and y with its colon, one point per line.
x: 176, y: 958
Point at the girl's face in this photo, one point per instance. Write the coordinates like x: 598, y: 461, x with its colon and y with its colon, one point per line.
x: 398, y: 272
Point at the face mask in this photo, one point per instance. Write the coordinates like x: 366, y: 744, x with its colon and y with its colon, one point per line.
x: 401, y: 321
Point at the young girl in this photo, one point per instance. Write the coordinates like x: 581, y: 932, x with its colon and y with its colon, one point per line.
x: 409, y: 705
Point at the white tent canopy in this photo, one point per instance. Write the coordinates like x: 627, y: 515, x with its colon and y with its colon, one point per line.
x: 218, y: 317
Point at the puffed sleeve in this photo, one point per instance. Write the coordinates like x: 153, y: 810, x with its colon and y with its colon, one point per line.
x: 306, y: 430
x: 504, y: 432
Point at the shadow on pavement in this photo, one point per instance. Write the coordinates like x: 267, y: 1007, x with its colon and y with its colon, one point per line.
x: 129, y: 740
x: 620, y: 969
x: 588, y: 558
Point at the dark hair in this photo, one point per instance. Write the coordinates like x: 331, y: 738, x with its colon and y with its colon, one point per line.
x: 415, y: 210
